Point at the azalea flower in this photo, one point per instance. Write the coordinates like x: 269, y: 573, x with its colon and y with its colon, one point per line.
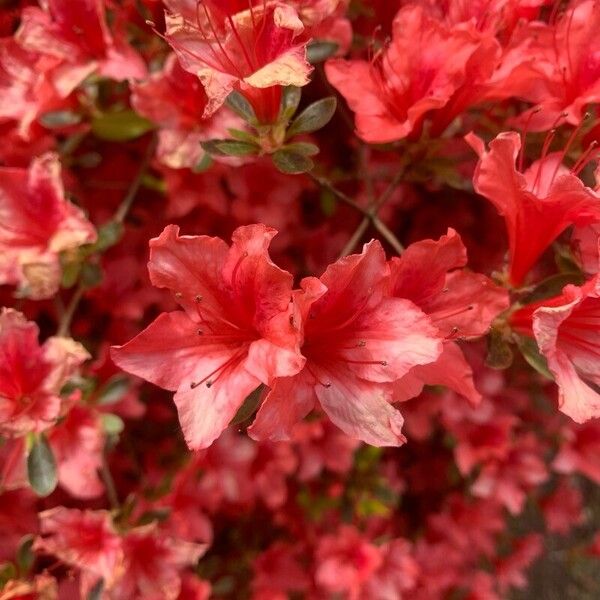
x: 425, y: 68
x: 76, y: 34
x: 85, y: 539
x: 461, y: 304
x: 538, y: 203
x: 37, y: 223
x: 566, y: 330
x: 32, y: 375
x: 235, y: 332
x: 153, y: 563
x: 357, y: 340
x: 238, y: 46
x: 175, y: 100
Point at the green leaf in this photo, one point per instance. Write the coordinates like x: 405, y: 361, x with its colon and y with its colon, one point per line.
x: 500, y: 354
x: 151, y: 516
x: 205, y: 163
x: 8, y: 571
x: 290, y: 100
x: 112, y: 424
x: 303, y: 148
x: 230, y: 148
x: 91, y: 275
x: 238, y: 104
x: 41, y: 467
x: 291, y: 163
x: 320, y: 50
x: 114, y: 390
x: 25, y: 556
x: 313, y: 117
x: 249, y: 407
x: 531, y: 354
x: 60, y: 118
x: 121, y: 126
x: 70, y: 274
x: 97, y: 590
x: 243, y: 136
x: 109, y: 234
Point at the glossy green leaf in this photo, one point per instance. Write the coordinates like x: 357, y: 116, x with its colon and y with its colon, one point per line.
x: 238, y: 104
x: 121, y: 126
x: 320, y: 50
x: 249, y: 407
x: 313, y: 117
x: 292, y: 163
x: 230, y: 148
x: 41, y: 467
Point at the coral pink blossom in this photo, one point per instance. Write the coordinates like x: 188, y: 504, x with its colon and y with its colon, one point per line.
x: 152, y: 565
x: 235, y: 332
x: 566, y: 330
x: 579, y: 451
x: 537, y: 204
x: 422, y: 69
x: 31, y: 376
x: 37, y: 223
x: 357, y: 340
x: 175, y: 100
x: 254, y: 51
x: 77, y: 35
x: 461, y: 304
x: 345, y: 562
x: 566, y: 74
x: 84, y: 539
x: 26, y: 90
x: 77, y: 443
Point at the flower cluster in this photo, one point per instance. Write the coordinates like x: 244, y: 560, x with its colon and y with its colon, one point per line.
x: 330, y: 267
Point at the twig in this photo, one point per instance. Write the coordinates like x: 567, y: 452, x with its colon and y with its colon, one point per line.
x: 109, y: 484
x: 324, y: 182
x: 67, y: 316
x: 353, y: 241
x: 127, y: 202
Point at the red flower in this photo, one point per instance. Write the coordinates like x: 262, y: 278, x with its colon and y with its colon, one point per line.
x: 31, y: 375
x: 537, y: 204
x: 77, y: 35
x: 421, y: 70
x: 234, y: 333
x: 82, y: 539
x: 254, y: 51
x: 37, y: 223
x: 357, y: 340
x: 566, y: 330
x: 461, y: 304
x: 566, y: 75
x: 153, y: 563
x: 176, y: 100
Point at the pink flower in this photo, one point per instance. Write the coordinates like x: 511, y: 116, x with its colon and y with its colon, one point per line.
x: 37, y: 223
x: 566, y: 74
x: 26, y: 90
x: 357, y: 340
x: 562, y: 509
x: 153, y: 565
x: 345, y: 562
x: 566, y: 330
x: 579, y: 451
x: 83, y: 539
x: 423, y: 69
x: 461, y: 304
x: 233, y: 46
x: 538, y: 204
x: 31, y: 376
x: 77, y: 443
x: 175, y: 100
x: 77, y: 35
x: 235, y: 331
